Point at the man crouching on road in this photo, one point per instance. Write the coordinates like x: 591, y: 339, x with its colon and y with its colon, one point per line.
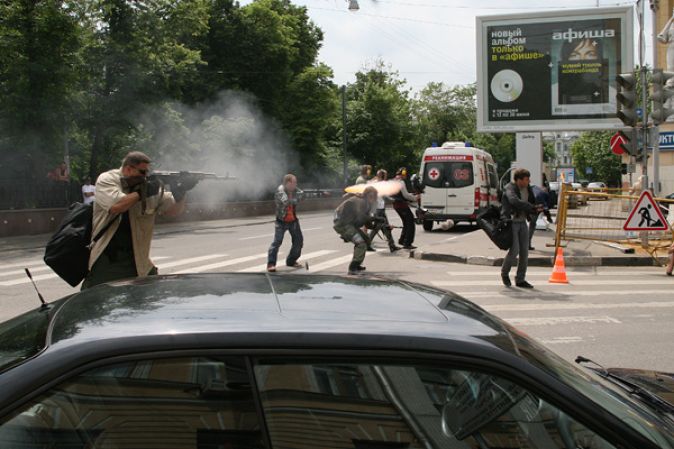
x: 517, y: 203
x: 127, y: 198
x: 287, y: 196
x: 350, y: 216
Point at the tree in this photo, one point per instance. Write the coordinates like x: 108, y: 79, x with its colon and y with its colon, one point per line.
x: 592, y: 150
x: 38, y: 56
x: 449, y: 113
x: 379, y: 120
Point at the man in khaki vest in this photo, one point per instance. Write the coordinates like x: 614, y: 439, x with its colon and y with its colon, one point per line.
x: 131, y: 201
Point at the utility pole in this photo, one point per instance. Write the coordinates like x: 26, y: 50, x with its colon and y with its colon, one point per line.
x: 656, y: 129
x: 641, y: 5
x: 344, y: 136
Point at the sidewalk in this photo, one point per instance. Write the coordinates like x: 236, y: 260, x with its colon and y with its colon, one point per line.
x: 475, y: 248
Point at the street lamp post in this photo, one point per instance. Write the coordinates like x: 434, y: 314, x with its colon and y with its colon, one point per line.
x: 344, y: 136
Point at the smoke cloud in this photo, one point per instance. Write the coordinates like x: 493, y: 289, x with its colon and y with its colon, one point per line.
x: 229, y: 136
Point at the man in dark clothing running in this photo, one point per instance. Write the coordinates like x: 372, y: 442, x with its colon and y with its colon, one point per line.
x: 287, y: 196
x: 517, y: 204
x: 350, y: 216
x: 401, y: 202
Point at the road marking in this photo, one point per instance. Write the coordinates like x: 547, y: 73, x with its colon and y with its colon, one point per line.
x: 532, y: 293
x: 656, y: 272
x: 270, y: 236
x: 180, y: 262
x: 27, y: 263
x: 576, y: 306
x: 561, y: 340
x: 573, y: 283
x: 22, y: 272
x: 256, y: 237
x: 308, y: 256
x: 225, y: 263
x: 551, y: 321
x: 331, y: 263
x: 25, y: 279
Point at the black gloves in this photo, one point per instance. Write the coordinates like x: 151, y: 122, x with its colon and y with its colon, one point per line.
x: 152, y: 186
x: 182, y: 185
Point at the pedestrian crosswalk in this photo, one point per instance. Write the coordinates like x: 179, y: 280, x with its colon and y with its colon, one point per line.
x: 326, y: 259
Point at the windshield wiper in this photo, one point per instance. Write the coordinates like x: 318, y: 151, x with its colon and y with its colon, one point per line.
x: 629, y: 386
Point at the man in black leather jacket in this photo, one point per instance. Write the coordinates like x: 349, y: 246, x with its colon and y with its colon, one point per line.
x: 517, y: 204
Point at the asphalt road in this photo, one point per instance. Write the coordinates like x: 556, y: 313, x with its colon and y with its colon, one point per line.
x: 617, y: 316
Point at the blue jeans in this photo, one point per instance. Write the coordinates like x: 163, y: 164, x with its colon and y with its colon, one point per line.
x: 297, y: 242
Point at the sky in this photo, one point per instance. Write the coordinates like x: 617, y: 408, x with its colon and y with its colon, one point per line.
x: 424, y: 40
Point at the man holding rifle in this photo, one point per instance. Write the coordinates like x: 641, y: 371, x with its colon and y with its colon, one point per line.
x: 130, y: 200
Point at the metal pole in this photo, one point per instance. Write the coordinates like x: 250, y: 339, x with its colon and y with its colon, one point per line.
x: 644, y: 95
x: 344, y: 136
x: 656, y: 128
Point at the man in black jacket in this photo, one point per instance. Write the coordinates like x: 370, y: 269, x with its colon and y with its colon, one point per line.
x: 517, y: 204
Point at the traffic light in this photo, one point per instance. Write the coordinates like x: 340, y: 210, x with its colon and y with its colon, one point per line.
x: 627, y: 97
x: 629, y: 144
x: 623, y: 169
x: 660, y: 92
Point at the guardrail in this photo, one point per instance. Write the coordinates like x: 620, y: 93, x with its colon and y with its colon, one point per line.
x: 600, y: 216
x: 41, y: 221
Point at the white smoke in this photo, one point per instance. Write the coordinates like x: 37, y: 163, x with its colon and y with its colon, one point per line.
x: 229, y: 136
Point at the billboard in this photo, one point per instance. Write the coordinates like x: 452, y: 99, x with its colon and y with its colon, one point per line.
x: 552, y: 71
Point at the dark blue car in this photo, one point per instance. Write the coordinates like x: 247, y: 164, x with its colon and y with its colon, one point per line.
x: 302, y: 362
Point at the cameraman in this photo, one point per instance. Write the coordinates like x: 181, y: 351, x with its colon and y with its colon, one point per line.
x: 132, y: 201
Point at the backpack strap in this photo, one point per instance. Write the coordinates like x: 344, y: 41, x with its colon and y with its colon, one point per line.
x: 102, y: 231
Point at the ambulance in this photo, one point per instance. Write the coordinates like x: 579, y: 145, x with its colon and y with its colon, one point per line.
x: 459, y: 182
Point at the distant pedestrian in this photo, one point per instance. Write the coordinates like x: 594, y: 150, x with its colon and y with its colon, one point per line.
x: 401, y: 201
x: 518, y: 203
x: 365, y: 173
x: 382, y: 223
x: 287, y: 196
x: 350, y: 216
x: 88, y: 191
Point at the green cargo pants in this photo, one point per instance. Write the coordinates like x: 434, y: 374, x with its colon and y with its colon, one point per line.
x: 107, y: 270
x: 350, y: 233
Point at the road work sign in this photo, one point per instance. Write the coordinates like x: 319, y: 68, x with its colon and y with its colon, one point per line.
x: 646, y: 215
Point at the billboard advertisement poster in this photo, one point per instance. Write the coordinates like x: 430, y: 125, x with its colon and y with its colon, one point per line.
x: 568, y: 174
x: 552, y: 71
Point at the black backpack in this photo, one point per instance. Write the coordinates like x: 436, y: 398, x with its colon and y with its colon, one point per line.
x: 67, y: 252
x: 497, y: 229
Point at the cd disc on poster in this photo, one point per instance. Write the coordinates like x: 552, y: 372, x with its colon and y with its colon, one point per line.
x: 506, y: 85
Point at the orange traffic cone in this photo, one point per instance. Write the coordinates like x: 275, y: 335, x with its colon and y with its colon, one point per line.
x: 558, y: 275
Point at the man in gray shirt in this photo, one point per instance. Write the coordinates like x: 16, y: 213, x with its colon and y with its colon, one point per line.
x: 517, y: 203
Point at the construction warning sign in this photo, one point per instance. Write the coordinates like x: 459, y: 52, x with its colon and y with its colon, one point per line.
x: 646, y: 215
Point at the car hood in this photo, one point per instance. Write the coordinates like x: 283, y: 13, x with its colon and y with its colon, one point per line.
x: 659, y: 383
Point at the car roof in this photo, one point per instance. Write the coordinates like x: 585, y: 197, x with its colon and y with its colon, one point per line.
x: 237, y: 303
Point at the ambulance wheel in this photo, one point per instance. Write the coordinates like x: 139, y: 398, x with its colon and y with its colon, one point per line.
x: 428, y: 225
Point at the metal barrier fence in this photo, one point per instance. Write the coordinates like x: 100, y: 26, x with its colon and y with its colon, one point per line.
x: 600, y: 216
x: 45, y: 194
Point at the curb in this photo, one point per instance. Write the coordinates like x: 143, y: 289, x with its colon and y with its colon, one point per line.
x: 569, y: 261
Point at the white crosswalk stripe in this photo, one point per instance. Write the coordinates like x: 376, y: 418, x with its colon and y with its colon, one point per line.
x: 528, y: 293
x: 549, y: 305
x: 191, y: 260
x: 33, y: 269
x: 570, y: 274
x: 223, y: 264
x: 42, y: 277
x: 332, y: 263
x: 26, y: 263
x: 308, y: 256
x: 494, y: 283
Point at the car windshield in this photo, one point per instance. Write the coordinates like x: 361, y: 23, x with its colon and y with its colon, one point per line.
x: 22, y: 337
x: 637, y: 414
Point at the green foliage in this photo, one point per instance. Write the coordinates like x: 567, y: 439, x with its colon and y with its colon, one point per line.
x: 379, y: 120
x: 592, y: 150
